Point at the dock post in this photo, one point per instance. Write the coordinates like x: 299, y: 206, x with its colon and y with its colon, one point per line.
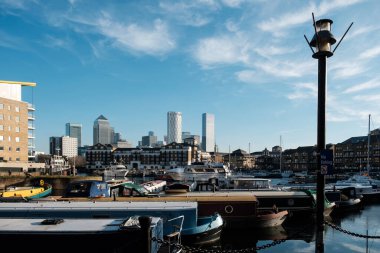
x: 146, y: 237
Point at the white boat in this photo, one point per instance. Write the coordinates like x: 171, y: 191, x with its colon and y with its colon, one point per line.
x: 154, y: 186
x: 363, y: 180
x: 250, y: 183
x: 115, y: 171
x: 201, y: 172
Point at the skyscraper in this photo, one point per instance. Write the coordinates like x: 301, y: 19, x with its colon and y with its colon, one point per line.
x: 74, y: 131
x: 174, y: 127
x: 102, y: 131
x: 208, y: 132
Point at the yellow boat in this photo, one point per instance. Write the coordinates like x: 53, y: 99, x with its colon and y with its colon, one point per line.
x: 28, y: 192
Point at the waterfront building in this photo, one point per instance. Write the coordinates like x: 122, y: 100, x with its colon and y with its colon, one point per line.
x: 174, y: 127
x: 352, y: 154
x: 102, y: 131
x: 240, y: 159
x: 208, y: 132
x: 99, y: 156
x: 16, y: 130
x: 69, y: 146
x: 75, y: 131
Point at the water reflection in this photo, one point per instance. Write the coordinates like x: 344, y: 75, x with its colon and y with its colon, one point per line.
x: 300, y: 235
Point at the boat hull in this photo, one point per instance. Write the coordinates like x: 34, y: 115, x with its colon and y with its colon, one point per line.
x: 208, y: 231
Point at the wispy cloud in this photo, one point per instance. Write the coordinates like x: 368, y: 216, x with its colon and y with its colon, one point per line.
x: 303, y: 91
x: 233, y: 3
x: 221, y: 50
x: 344, y: 70
x: 154, y: 40
x: 276, y: 26
x: 370, y: 53
x: 368, y: 98
x: 373, y: 83
x: 285, y: 68
x: 192, y: 13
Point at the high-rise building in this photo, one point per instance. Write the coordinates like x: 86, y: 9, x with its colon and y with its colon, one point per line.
x: 69, y: 146
x: 102, y: 131
x: 208, y: 132
x: 16, y: 124
x: 55, y: 145
x: 174, y: 127
x: 74, y: 131
x: 150, y: 140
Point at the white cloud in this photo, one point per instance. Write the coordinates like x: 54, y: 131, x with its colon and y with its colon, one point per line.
x: 368, y: 98
x: 370, y: 53
x: 221, y: 50
x: 233, y: 3
x: 246, y: 76
x: 192, y: 13
x: 303, y: 91
x: 285, y: 68
x: 346, y: 70
x: 302, y: 15
x: 155, y: 40
x: 373, y: 83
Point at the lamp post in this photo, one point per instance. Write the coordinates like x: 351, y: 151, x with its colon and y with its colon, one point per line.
x: 322, y: 41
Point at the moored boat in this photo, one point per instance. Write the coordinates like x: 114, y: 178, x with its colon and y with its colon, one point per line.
x: 154, y: 186
x: 81, y: 234
x: 208, y: 228
x: 15, y: 193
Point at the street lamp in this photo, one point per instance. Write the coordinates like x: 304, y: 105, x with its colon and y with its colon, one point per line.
x: 322, y: 42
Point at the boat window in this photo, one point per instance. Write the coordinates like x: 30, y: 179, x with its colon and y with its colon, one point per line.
x: 210, y: 170
x: 102, y: 186
x: 221, y: 170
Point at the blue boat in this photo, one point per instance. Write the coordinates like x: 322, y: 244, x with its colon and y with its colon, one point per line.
x: 88, y: 189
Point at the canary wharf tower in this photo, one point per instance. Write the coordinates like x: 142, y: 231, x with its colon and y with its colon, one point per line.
x: 208, y: 132
x: 174, y: 127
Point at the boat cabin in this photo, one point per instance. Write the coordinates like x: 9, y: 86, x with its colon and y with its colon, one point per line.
x: 88, y: 188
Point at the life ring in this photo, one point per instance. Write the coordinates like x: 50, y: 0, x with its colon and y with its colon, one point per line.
x: 42, y: 182
x: 228, y: 209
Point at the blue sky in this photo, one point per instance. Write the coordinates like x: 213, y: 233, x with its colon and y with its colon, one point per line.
x: 244, y: 61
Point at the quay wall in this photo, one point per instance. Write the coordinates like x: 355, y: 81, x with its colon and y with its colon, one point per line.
x: 58, y: 182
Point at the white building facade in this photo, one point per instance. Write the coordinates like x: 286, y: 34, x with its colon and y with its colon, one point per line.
x: 208, y: 132
x: 174, y: 127
x: 69, y: 146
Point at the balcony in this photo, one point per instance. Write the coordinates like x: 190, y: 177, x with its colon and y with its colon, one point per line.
x: 31, y: 107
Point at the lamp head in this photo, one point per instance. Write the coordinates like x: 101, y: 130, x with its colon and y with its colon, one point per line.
x: 323, y: 40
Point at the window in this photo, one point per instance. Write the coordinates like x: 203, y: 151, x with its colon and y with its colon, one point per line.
x: 10, y: 159
x: 9, y: 128
x: 17, y: 139
x: 9, y: 117
x: 17, y: 109
x: 9, y: 148
x: 17, y: 118
x: 17, y: 149
x: 9, y: 107
x: 1, y: 138
x: 1, y: 127
x: 1, y: 148
x: 18, y: 159
x: 1, y: 106
x: 1, y: 116
x: 17, y: 129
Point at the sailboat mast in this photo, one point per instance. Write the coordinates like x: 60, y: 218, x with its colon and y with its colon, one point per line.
x: 280, y: 154
x: 369, y: 141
